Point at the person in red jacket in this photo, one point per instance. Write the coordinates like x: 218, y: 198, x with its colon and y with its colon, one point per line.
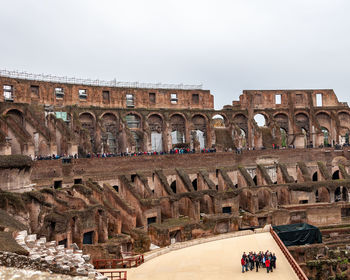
x: 243, y: 264
x: 267, y: 264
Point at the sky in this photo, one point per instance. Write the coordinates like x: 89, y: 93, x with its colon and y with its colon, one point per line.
x: 227, y: 46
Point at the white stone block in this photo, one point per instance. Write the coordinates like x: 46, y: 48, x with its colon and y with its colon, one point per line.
x: 86, y: 257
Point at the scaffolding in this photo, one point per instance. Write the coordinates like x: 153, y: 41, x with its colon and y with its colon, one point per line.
x: 91, y: 82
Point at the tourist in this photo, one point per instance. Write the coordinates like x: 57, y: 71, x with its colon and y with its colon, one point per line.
x: 267, y: 264
x: 273, y: 261
x: 243, y: 263
x: 257, y: 261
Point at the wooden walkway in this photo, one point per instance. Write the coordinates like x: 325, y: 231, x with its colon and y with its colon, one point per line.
x: 217, y: 260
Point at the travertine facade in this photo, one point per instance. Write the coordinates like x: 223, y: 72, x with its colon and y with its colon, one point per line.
x: 166, y: 198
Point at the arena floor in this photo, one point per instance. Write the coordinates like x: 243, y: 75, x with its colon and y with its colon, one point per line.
x: 214, y: 260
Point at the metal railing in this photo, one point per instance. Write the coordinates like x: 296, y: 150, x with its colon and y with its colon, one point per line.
x: 297, y: 269
x: 92, y: 82
x: 119, y: 263
x: 115, y: 275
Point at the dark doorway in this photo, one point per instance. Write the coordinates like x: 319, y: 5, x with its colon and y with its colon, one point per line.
x: 173, y: 186
x: 133, y: 176
x: 194, y: 184
x: 305, y: 201
x: 335, y: 175
x: 78, y: 181
x: 151, y: 220
x: 63, y: 242
x: 255, y: 180
x: 116, y: 188
x: 57, y: 184
x: 315, y: 177
x: 227, y: 210
x: 88, y: 237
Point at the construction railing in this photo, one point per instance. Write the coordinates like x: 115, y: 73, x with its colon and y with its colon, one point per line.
x: 115, y: 275
x: 91, y: 82
x: 119, y: 263
x: 300, y: 273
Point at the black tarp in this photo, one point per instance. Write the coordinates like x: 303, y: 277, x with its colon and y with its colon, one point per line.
x: 298, y: 234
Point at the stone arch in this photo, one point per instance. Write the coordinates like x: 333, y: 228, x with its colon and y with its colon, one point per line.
x: 282, y: 121
x: 240, y: 121
x: 177, y: 129
x: 87, y: 121
x: 322, y: 195
x: 341, y: 194
x: 206, y: 204
x: 110, y: 132
x: 264, y: 198
x: 101, y: 226
x: 344, y: 127
x: 246, y: 202
x: 133, y: 120
x: 43, y: 148
x: 186, y: 207
x: 155, y: 124
x: 261, y: 119
x: 198, y: 131
x: 75, y: 229
x: 283, y: 196
x: 315, y: 177
x: 324, y: 120
x: 219, y: 120
x: 17, y: 115
x: 302, y: 121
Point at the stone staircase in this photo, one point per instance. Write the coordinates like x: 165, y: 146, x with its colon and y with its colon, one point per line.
x: 68, y: 260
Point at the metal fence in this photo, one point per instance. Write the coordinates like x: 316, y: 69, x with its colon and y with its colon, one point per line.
x: 91, y: 82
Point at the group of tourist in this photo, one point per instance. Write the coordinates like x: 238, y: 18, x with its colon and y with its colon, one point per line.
x: 105, y: 155
x: 258, y: 260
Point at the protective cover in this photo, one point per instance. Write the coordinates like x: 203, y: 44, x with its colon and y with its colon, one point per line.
x: 298, y: 234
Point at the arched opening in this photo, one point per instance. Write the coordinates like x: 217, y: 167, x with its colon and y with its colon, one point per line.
x: 110, y: 133
x: 133, y: 121
x: 341, y: 194
x: 155, y: 125
x: 194, y: 184
x: 186, y: 208
x: 255, y: 180
x: 283, y: 196
x: 325, y: 133
x: 178, y: 128
x: 206, y: 205
x: 218, y: 121
x: 173, y: 186
x: 198, y: 132
x: 282, y: 122
x: 322, y: 195
x: 137, y: 140
x: 246, y: 201
x: 16, y: 115
x: 315, y: 177
x: 335, y: 175
x: 304, y: 132
x: 302, y: 121
x: 87, y: 122
x: 260, y: 120
x: 284, y: 137
x: 264, y: 198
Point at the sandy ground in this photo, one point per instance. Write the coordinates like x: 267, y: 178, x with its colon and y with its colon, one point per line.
x: 215, y: 261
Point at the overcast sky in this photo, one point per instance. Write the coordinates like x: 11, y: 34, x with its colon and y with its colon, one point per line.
x: 227, y: 46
